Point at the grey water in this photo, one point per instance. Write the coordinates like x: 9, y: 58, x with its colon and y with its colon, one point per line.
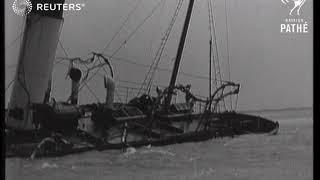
x: 287, y: 155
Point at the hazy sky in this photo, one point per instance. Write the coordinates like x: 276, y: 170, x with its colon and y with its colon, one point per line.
x: 274, y: 69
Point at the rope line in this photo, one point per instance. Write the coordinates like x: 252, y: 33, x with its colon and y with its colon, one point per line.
x: 218, y: 68
x: 126, y: 60
x: 137, y: 28
x: 84, y: 83
x: 228, y: 53
x: 151, y: 72
x: 122, y: 26
x: 10, y: 83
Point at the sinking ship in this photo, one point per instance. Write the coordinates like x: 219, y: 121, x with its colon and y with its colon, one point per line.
x: 38, y: 126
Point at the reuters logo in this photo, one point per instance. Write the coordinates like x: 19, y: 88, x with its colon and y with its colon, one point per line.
x: 22, y: 7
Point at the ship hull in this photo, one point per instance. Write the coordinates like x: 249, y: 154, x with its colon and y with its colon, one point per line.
x: 24, y: 144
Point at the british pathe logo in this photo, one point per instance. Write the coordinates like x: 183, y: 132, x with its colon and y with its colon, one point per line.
x: 294, y: 23
x: 22, y: 7
x: 295, y: 5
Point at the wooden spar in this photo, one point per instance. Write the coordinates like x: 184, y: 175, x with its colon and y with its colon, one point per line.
x: 179, y: 54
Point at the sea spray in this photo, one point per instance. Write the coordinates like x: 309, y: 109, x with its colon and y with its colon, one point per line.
x: 204, y: 172
x: 130, y: 151
x: 48, y: 165
x: 163, y: 152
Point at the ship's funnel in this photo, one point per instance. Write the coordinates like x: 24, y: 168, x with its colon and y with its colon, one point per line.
x: 35, y: 63
x: 109, y: 84
x: 75, y: 76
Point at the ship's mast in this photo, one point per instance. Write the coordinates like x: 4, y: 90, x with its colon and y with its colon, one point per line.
x: 179, y: 54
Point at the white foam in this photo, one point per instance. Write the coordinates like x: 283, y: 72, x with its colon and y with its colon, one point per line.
x: 158, y: 151
x: 130, y: 151
x: 48, y: 165
x: 204, y: 172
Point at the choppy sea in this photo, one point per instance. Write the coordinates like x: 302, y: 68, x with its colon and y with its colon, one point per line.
x: 287, y: 155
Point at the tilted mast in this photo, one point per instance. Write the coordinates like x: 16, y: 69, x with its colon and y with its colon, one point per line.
x: 179, y: 54
x: 35, y: 64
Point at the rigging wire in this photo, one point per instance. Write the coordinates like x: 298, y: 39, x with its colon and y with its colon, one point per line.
x: 85, y: 83
x: 159, y: 22
x: 121, y: 27
x: 215, y: 41
x: 66, y: 54
x: 211, y: 38
x: 161, y: 49
x: 228, y: 53
x: 137, y: 28
x: 64, y: 50
x: 210, y: 34
x: 164, y: 42
x: 14, y: 41
x: 135, y: 83
x: 10, y: 83
x: 88, y: 87
x: 128, y: 61
x: 107, y: 45
x: 128, y: 38
x: 87, y: 80
x: 124, y: 42
x: 11, y: 44
x: 218, y: 70
x: 150, y: 74
x: 211, y: 56
x: 21, y: 33
x: 152, y: 40
x: 22, y: 69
